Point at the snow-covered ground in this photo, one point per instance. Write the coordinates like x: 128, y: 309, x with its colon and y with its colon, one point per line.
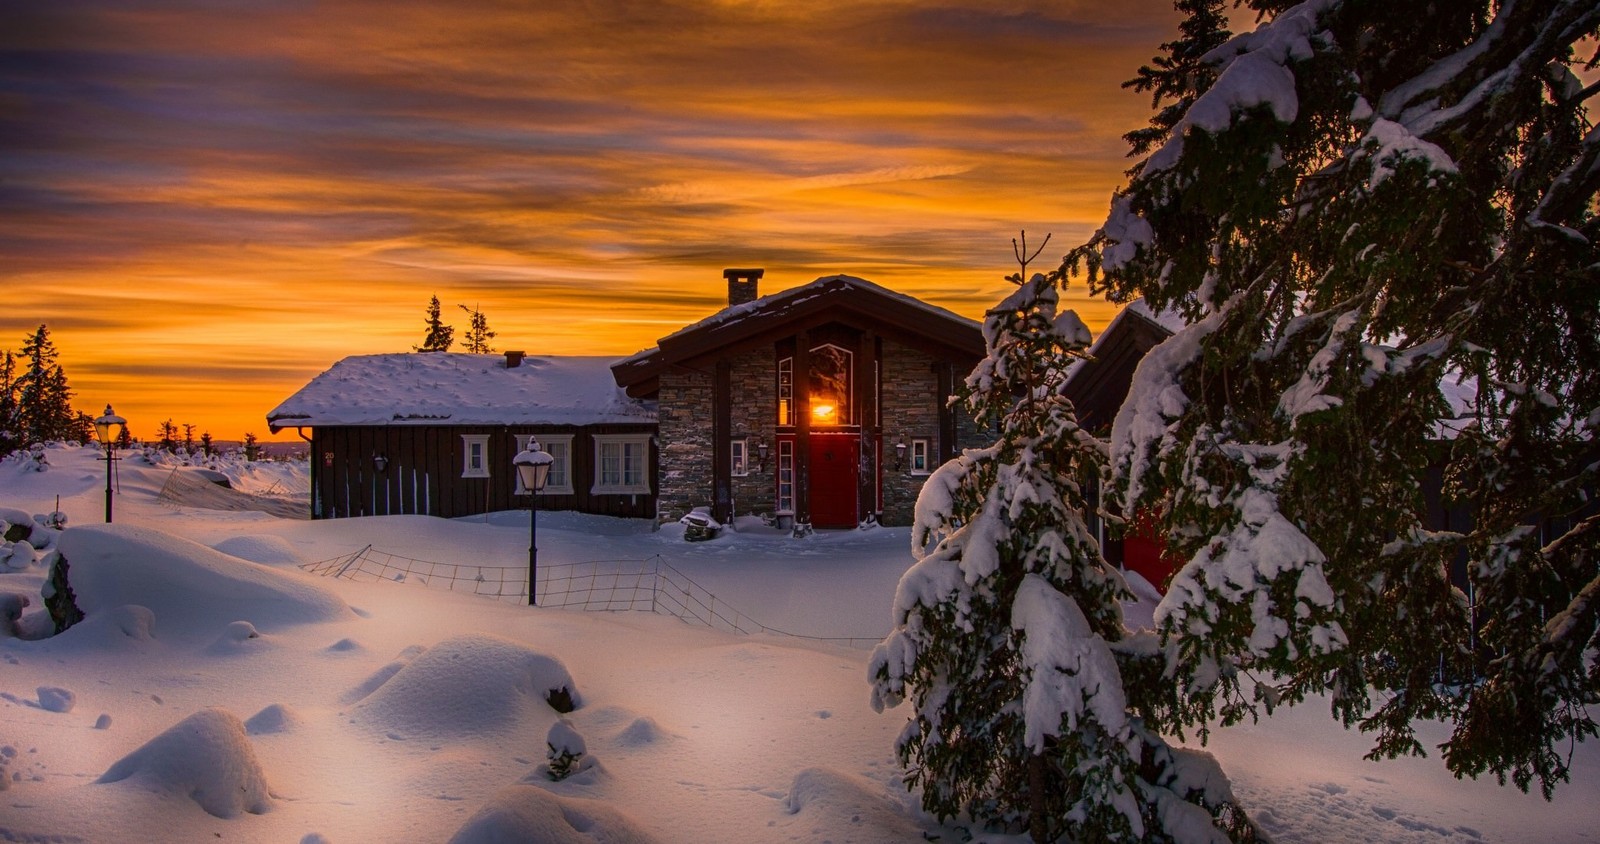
x: 215, y: 692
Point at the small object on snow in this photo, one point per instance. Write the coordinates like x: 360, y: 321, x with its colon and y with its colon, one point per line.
x: 55, y: 699
x: 567, y: 749
x: 698, y: 525
x: 103, y: 722
x: 11, y: 605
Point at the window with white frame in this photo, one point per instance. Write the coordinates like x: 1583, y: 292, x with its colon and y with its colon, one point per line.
x: 740, y: 453
x: 474, y: 455
x: 786, y: 476
x: 559, y: 446
x: 919, y: 457
x: 620, y: 464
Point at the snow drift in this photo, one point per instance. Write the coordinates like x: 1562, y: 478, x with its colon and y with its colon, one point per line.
x: 205, y: 758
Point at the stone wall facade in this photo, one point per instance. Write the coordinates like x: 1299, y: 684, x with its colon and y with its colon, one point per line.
x: 684, y: 443
x: 909, y: 404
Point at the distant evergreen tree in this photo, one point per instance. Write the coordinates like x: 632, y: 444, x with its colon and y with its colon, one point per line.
x: 1380, y: 221
x: 440, y: 336
x: 478, y: 333
x: 124, y: 437
x: 205, y: 443
x: 252, y: 447
x: 43, y: 399
x: 10, y: 421
x: 188, y: 437
x: 169, y: 436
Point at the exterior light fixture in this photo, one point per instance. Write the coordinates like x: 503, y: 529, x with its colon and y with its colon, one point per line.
x: 533, y: 468
x: 823, y: 412
x: 102, y: 431
x: 380, y: 462
x: 761, y: 453
x: 899, y: 455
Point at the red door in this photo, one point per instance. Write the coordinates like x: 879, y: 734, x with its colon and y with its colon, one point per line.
x: 835, y: 462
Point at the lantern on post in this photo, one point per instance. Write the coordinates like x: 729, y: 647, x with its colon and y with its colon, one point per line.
x: 533, y: 469
x: 102, y: 431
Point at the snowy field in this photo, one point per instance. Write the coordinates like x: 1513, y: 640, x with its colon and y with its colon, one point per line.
x: 215, y: 692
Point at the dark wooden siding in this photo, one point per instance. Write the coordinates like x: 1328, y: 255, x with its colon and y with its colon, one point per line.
x: 423, y: 475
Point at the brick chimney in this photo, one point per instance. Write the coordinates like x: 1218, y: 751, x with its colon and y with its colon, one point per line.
x: 742, y: 285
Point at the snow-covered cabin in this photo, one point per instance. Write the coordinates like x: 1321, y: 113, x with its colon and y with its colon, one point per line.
x: 825, y: 404
x: 434, y: 433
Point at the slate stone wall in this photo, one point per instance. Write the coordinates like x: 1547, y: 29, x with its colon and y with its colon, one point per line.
x: 910, y: 403
x: 684, y: 441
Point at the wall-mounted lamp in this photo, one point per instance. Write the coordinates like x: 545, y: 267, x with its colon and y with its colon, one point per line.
x: 899, y: 455
x: 761, y: 453
x: 380, y: 462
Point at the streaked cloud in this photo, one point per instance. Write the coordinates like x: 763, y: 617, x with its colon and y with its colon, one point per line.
x: 209, y: 202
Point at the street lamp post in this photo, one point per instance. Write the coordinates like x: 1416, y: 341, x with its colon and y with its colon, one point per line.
x: 102, y: 429
x: 533, y: 467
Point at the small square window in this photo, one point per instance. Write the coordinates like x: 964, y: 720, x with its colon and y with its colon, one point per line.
x: 474, y: 455
x: 919, y: 457
x: 740, y: 457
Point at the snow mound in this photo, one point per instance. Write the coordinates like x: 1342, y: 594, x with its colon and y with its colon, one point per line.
x: 274, y: 718
x: 190, y: 588
x: 129, y: 626
x: 844, y: 807
x: 641, y: 733
x: 263, y: 549
x: 56, y: 699
x: 237, y: 638
x: 205, y: 758
x: 471, y: 685
x: 346, y: 645
x: 520, y: 813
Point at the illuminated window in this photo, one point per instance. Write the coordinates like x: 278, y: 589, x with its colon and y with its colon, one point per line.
x: 919, y: 457
x: 620, y: 463
x: 559, y: 446
x: 474, y: 455
x: 828, y: 387
x: 786, y: 391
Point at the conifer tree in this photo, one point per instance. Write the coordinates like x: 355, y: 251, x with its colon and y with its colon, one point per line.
x: 10, y: 423
x: 1380, y: 222
x: 440, y: 336
x: 169, y: 436
x: 1008, y: 626
x: 478, y: 333
x: 44, y: 401
x: 252, y: 447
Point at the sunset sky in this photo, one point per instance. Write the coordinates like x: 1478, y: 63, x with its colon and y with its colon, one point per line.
x: 211, y: 202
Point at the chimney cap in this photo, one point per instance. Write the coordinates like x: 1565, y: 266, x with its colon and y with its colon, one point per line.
x: 514, y: 359
x: 731, y: 274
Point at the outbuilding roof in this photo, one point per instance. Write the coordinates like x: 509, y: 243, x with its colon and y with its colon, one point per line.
x: 441, y: 388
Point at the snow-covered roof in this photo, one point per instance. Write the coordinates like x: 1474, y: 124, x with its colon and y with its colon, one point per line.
x: 805, y: 292
x: 887, y: 310
x: 440, y: 388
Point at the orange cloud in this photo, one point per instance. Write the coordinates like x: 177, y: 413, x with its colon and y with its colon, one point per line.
x: 209, y: 204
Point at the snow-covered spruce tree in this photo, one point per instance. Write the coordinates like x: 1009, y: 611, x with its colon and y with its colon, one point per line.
x: 1380, y: 221
x: 439, y: 336
x: 1006, y: 628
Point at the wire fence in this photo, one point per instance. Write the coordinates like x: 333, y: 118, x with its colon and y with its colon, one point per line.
x: 649, y: 585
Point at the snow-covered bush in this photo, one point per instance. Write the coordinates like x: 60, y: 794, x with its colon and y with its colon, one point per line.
x: 567, y: 749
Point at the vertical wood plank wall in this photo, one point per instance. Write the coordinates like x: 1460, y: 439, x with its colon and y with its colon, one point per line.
x: 423, y: 475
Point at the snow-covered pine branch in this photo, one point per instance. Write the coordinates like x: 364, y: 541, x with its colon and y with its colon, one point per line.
x: 1381, y: 221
